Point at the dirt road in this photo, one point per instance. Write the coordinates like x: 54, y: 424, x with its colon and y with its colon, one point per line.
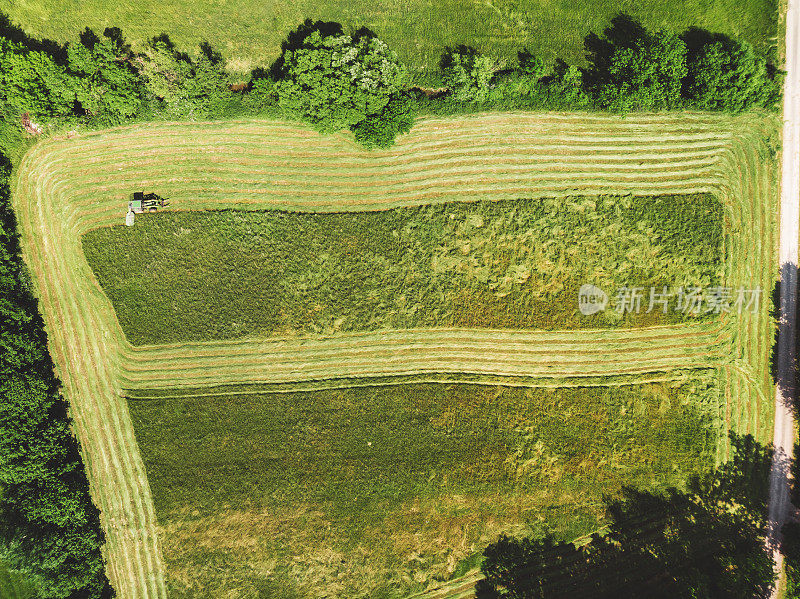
x: 790, y: 212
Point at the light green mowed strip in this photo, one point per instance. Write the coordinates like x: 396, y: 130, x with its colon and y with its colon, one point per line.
x: 70, y: 185
x: 567, y: 357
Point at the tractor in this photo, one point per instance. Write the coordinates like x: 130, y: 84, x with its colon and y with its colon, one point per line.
x: 146, y: 202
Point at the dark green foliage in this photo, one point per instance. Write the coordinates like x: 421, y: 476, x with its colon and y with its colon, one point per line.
x: 727, y: 74
x: 531, y: 65
x: 262, y: 96
x: 467, y: 73
x: 380, y: 130
x: 108, y: 85
x: 184, y: 86
x: 13, y: 585
x: 562, y: 88
x: 31, y: 82
x: 707, y: 543
x: 335, y: 81
x: 631, y: 68
x: 49, y: 528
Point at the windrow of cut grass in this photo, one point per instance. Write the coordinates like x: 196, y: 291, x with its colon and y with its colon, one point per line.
x: 538, y: 357
x: 70, y: 185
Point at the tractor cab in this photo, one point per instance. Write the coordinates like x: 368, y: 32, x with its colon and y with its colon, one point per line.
x: 146, y: 202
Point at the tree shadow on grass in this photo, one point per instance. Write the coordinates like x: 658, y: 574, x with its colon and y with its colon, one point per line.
x: 15, y: 33
x: 708, y: 541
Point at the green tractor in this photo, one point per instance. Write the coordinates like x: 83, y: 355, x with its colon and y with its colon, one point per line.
x: 146, y: 202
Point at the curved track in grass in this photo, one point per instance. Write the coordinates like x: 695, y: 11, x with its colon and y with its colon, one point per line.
x: 67, y: 186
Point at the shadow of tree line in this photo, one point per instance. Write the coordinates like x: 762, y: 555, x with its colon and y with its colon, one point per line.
x: 785, y: 378
x: 706, y: 542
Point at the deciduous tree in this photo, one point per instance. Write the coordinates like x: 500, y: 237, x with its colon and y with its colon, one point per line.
x: 632, y: 68
x: 727, y: 74
x: 107, y: 84
x: 335, y: 81
x: 467, y: 73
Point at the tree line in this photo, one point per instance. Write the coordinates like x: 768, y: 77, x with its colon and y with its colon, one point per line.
x: 49, y: 527
x: 335, y: 80
x: 629, y: 68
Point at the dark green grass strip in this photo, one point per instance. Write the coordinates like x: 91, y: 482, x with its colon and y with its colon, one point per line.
x: 191, y: 276
x: 361, y: 458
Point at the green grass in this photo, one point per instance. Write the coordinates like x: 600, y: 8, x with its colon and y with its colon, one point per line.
x: 249, y: 32
x: 375, y: 491
x: 183, y: 276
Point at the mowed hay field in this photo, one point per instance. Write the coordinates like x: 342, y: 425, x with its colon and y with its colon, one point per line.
x: 518, y: 264
x: 379, y: 491
x: 68, y: 186
x: 417, y: 30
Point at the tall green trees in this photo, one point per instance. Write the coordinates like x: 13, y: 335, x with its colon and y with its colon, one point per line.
x: 468, y: 73
x: 379, y: 130
x: 182, y: 86
x: 336, y: 81
x: 727, y: 74
x: 32, y: 82
x: 49, y: 528
x: 106, y: 82
x: 632, y: 68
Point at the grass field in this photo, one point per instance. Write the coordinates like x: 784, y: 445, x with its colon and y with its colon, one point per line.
x: 417, y: 30
x: 378, y: 490
x: 70, y: 185
x: 196, y: 276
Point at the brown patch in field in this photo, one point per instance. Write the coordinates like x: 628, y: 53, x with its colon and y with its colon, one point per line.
x: 419, y: 543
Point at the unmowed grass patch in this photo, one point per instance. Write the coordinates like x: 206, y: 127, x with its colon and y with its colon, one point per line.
x: 249, y: 33
x: 180, y: 276
x: 377, y: 491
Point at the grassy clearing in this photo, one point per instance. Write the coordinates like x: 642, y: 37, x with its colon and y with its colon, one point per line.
x: 249, y: 33
x: 375, y: 491
x: 516, y: 264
